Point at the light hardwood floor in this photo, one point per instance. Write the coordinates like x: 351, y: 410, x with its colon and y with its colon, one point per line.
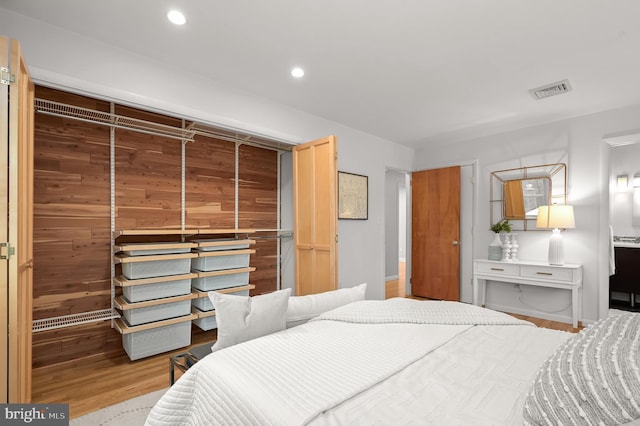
x: 97, y: 382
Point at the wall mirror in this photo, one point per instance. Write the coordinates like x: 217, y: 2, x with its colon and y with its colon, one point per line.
x: 517, y: 193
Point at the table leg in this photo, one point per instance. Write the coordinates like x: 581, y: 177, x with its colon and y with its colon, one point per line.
x: 475, y: 290
x: 171, y: 371
x: 575, y: 305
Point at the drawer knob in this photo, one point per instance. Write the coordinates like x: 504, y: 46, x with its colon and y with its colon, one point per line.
x: 497, y: 269
x: 544, y: 273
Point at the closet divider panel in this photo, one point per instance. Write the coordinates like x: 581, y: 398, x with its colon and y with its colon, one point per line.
x: 258, y: 209
x: 210, y: 184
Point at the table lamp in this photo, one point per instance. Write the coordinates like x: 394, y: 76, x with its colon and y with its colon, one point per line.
x: 555, y: 217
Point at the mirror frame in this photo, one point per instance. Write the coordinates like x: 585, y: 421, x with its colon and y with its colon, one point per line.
x: 556, y: 172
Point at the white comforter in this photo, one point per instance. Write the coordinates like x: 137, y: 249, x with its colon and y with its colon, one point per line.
x: 340, y: 369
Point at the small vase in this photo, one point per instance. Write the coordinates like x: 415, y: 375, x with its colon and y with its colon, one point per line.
x: 506, y: 249
x: 495, y: 248
x: 514, y: 248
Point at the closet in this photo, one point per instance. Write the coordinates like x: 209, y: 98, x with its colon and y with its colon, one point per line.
x: 103, y: 168
x: 93, y: 167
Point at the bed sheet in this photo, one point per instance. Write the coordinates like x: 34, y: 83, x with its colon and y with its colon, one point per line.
x: 480, y: 377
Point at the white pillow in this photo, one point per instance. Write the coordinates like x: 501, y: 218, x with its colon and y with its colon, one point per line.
x: 242, y: 318
x: 302, y: 308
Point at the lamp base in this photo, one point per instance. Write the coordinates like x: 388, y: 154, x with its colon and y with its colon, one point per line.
x: 556, y: 248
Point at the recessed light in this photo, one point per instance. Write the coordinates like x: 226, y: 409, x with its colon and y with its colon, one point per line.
x: 176, y: 17
x: 297, y: 72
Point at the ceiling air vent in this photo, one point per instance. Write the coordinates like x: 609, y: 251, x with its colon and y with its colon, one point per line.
x: 552, y: 89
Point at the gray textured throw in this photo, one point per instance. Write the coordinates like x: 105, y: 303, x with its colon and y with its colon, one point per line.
x: 593, y: 379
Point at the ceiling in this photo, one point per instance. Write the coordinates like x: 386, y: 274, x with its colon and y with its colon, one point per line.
x: 416, y: 72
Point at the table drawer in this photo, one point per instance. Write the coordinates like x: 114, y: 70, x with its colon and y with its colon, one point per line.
x: 499, y: 269
x: 546, y: 273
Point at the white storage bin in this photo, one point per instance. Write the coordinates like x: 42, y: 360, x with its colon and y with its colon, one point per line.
x: 218, y: 263
x: 204, y: 303
x: 241, y: 244
x: 156, y: 268
x: 146, y: 252
x: 220, y: 281
x: 139, y: 293
x: 208, y: 323
x: 159, y: 312
x: 145, y: 343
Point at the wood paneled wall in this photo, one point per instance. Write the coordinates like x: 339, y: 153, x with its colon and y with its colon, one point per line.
x: 72, y: 211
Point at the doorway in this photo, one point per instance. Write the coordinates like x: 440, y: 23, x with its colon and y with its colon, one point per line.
x: 624, y: 221
x: 398, y: 232
x: 396, y: 217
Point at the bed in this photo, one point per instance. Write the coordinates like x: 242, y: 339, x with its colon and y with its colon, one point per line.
x: 404, y: 361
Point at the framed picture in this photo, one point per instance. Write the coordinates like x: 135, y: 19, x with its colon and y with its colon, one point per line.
x: 353, y: 196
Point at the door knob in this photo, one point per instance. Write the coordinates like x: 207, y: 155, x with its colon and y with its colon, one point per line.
x: 455, y: 243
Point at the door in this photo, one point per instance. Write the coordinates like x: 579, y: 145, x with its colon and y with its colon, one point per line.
x: 435, y: 212
x: 16, y: 235
x: 315, y: 216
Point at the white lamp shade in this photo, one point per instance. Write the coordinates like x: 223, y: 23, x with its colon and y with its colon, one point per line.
x: 555, y: 216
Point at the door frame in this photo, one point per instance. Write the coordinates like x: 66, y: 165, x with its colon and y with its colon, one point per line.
x: 407, y: 242
x: 609, y: 142
x: 468, y: 209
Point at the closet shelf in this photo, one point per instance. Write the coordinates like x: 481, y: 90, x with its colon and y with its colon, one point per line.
x: 202, y: 274
x: 202, y: 314
x: 222, y: 243
x: 121, y: 303
x: 153, y: 246
x: 225, y: 253
x: 123, y: 328
x: 122, y: 281
x: 199, y: 294
x: 140, y: 232
x: 125, y: 258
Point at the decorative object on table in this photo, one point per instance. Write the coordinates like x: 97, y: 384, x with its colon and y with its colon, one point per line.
x: 556, y: 217
x: 506, y: 249
x: 352, y: 196
x: 514, y: 247
x: 495, y: 247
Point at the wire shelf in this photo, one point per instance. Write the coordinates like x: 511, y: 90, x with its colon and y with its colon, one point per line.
x: 114, y: 120
x: 73, y: 319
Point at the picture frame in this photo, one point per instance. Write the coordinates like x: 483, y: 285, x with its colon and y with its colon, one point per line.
x: 353, y: 196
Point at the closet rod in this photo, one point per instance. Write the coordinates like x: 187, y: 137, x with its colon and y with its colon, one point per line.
x: 58, y: 109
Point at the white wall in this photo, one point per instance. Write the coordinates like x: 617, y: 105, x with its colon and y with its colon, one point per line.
x: 588, y: 160
x: 66, y: 60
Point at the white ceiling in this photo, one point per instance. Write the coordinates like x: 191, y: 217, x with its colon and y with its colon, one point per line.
x: 415, y: 72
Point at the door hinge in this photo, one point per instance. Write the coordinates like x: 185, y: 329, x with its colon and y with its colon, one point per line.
x: 6, y: 77
x: 336, y: 238
x: 6, y: 251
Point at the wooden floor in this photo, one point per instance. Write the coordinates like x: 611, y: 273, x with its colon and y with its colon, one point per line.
x: 95, y: 383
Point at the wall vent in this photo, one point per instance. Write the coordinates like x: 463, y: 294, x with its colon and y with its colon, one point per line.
x: 552, y: 89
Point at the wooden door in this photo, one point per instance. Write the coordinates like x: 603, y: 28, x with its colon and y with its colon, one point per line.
x: 17, y: 205
x: 435, y: 212
x: 315, y: 216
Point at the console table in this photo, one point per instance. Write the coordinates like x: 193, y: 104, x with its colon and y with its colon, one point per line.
x: 540, y: 274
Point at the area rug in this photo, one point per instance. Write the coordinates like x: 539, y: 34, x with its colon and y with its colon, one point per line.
x: 131, y: 412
